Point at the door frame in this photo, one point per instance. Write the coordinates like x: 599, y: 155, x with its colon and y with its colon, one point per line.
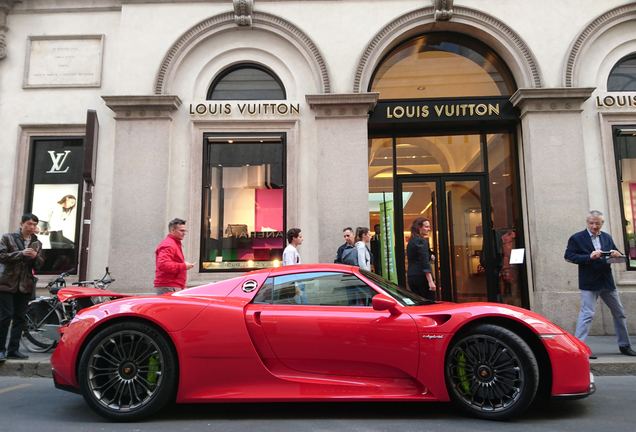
x: 444, y: 274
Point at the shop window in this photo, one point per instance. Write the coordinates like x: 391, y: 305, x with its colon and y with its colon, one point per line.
x: 247, y: 82
x: 625, y: 151
x: 442, y: 65
x: 623, y: 75
x: 53, y: 195
x: 439, y: 154
x: 243, y: 202
x: 505, y: 216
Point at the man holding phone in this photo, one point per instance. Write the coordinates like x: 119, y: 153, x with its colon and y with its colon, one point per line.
x: 171, y: 267
x: 20, y: 255
x: 590, y: 249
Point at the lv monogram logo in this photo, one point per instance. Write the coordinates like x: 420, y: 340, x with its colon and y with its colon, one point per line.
x: 58, y: 161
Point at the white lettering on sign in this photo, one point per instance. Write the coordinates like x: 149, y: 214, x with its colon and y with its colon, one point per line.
x: 58, y: 162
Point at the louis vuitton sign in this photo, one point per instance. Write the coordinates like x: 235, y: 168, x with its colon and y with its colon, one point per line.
x: 436, y: 110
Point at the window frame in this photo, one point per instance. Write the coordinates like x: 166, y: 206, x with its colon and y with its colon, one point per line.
x: 238, y: 138
x: 279, y: 280
x: 628, y: 57
x: 33, y: 141
x: 616, y: 134
x: 452, y: 37
x: 217, y: 80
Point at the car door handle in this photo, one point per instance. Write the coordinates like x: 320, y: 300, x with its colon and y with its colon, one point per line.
x: 257, y: 318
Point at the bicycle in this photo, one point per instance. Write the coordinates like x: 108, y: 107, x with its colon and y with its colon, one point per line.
x: 102, y: 284
x: 45, y: 315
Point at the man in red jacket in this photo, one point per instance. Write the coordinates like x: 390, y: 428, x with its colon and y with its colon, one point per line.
x: 171, y: 266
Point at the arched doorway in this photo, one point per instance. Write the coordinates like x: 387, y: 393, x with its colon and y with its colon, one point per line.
x: 442, y: 145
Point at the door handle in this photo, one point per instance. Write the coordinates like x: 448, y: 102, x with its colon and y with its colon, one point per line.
x: 257, y: 318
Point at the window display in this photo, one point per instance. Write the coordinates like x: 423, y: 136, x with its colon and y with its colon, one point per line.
x: 54, y: 197
x: 243, y: 223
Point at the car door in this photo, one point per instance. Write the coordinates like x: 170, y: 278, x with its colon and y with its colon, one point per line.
x: 324, y: 323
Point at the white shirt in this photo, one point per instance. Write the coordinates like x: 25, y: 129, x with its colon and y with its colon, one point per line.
x: 364, y: 258
x: 290, y: 256
x: 596, y: 240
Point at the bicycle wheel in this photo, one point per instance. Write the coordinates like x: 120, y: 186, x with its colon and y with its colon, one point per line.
x: 39, y: 315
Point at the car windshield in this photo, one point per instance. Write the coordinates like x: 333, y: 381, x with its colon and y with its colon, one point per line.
x: 406, y: 298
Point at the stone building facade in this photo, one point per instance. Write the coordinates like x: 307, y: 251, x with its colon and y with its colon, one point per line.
x: 519, y: 118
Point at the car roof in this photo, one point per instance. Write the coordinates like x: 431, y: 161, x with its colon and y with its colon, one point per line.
x: 305, y: 268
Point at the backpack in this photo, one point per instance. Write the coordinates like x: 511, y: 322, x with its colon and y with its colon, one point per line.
x: 350, y: 256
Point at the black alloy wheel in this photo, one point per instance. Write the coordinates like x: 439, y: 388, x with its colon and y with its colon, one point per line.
x: 491, y: 373
x: 128, y: 372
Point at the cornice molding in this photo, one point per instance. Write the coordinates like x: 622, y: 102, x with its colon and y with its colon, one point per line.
x: 424, y: 18
x: 225, y: 22
x: 551, y: 99
x: 142, y: 107
x: 345, y: 105
x: 589, y: 34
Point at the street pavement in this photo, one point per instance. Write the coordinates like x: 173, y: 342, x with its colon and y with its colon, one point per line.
x: 610, y: 361
x: 30, y: 404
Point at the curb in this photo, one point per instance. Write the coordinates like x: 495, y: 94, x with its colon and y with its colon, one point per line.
x: 26, y: 369
x: 612, y: 368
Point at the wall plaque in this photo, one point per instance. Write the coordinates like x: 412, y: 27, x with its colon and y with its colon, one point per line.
x: 64, y: 61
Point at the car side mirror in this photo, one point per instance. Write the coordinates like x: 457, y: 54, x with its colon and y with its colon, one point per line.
x: 381, y: 303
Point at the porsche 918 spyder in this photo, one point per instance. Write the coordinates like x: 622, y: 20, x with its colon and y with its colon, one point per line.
x: 314, y: 333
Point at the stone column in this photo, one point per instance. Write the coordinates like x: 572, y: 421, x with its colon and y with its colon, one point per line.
x: 556, y: 192
x: 343, y: 165
x: 140, y: 186
x: 5, y: 7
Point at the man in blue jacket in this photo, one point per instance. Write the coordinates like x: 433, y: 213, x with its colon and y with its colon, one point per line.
x: 590, y: 249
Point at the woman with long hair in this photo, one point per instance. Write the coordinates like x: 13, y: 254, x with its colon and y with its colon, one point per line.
x: 61, y: 223
x: 418, y: 252
x: 363, y: 238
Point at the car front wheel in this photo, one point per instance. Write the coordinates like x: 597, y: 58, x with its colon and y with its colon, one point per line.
x: 491, y: 373
x: 128, y: 371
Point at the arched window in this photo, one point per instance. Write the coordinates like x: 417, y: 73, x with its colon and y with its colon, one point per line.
x: 246, y: 82
x: 442, y: 65
x: 623, y: 75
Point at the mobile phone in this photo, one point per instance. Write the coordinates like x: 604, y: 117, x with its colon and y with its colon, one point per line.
x: 34, y: 246
x: 606, y: 254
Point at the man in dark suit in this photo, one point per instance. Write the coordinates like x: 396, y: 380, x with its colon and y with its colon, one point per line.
x: 589, y: 249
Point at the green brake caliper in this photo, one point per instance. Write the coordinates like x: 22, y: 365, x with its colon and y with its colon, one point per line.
x: 461, y: 371
x: 153, y: 367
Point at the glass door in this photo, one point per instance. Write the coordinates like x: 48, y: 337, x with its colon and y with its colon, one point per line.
x: 460, y: 237
x: 418, y: 199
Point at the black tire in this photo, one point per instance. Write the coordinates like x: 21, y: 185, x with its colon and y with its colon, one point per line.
x: 491, y: 373
x: 39, y: 314
x: 128, y: 372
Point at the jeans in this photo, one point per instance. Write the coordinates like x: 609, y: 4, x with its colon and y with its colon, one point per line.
x: 166, y: 290
x: 588, y: 307
x: 13, y: 307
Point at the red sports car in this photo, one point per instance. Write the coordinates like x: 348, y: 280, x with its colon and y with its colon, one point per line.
x: 314, y: 333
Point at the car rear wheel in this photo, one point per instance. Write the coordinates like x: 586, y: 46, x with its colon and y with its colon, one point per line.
x: 491, y: 373
x: 128, y: 371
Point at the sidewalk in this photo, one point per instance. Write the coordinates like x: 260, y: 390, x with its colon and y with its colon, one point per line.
x: 610, y: 361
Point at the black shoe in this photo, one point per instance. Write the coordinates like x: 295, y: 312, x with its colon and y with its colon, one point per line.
x: 3, y: 356
x: 627, y: 350
x: 593, y: 357
x: 17, y: 355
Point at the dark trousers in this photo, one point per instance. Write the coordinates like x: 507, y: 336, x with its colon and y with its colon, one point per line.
x: 419, y: 285
x: 13, y: 307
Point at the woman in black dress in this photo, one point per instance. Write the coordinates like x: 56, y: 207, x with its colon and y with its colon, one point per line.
x: 420, y: 274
